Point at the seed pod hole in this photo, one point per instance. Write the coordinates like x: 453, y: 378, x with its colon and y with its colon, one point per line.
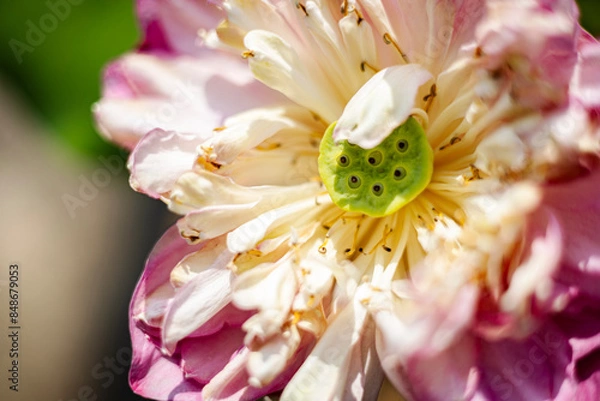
x: 402, y: 145
x: 343, y: 161
x: 377, y: 189
x: 399, y: 173
x: 354, y: 181
x: 375, y: 158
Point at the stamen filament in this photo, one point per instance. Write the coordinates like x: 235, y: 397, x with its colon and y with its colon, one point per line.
x: 387, y: 38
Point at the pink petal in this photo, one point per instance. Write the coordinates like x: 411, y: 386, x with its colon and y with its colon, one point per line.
x: 189, y: 95
x: 529, y: 370
x: 576, y: 204
x: 154, y: 376
x: 581, y: 322
x: 229, y: 316
x: 204, y: 357
x: 586, y: 85
x: 450, y: 375
x: 532, y: 46
x: 196, y: 303
x: 231, y: 384
x: 173, y: 25
x: 429, y: 32
x: 532, y: 280
x: 165, y: 255
x: 429, y: 355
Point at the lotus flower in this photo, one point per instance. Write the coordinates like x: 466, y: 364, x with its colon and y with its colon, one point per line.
x: 371, y: 191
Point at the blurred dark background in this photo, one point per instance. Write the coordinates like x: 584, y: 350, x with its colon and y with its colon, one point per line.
x: 78, y: 267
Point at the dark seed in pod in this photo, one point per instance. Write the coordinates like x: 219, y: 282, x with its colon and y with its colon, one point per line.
x: 343, y: 160
x: 399, y: 173
x: 353, y: 182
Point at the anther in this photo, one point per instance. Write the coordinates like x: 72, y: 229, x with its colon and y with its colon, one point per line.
x: 453, y: 141
x: 429, y: 98
x: 268, y: 146
x: 365, y: 64
x: 247, y: 54
x: 302, y: 7
x: 344, y: 7
x: 475, y: 173
x: 323, y: 247
x: 381, y: 243
x: 359, y: 17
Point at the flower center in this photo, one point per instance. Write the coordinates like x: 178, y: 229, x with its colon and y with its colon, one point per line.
x: 378, y: 181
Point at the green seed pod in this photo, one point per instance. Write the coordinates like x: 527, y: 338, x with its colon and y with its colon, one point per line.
x: 377, y: 181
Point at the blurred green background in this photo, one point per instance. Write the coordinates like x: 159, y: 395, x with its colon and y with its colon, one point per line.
x: 60, y: 78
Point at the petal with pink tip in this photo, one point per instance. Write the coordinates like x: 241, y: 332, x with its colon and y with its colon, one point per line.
x: 144, y: 92
x: 197, y: 301
x: 166, y: 254
x: 204, y: 357
x: 159, y: 159
x: 586, y: 85
x: 154, y: 376
x: 174, y: 25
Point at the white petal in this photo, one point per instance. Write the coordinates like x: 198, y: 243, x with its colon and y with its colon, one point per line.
x: 191, y: 265
x: 324, y: 373
x: 247, y: 130
x: 216, y: 205
x: 245, y: 237
x: 360, y: 47
x: 213, y: 221
x: 269, y: 286
x: 159, y: 159
x: 276, y: 63
x: 199, y: 189
x: 534, y: 276
x: 270, y: 360
x: 197, y: 301
x: 230, y: 374
x: 381, y: 105
x: 317, y: 279
x: 155, y: 305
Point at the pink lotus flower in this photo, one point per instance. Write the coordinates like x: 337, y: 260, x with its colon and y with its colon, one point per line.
x: 374, y: 190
